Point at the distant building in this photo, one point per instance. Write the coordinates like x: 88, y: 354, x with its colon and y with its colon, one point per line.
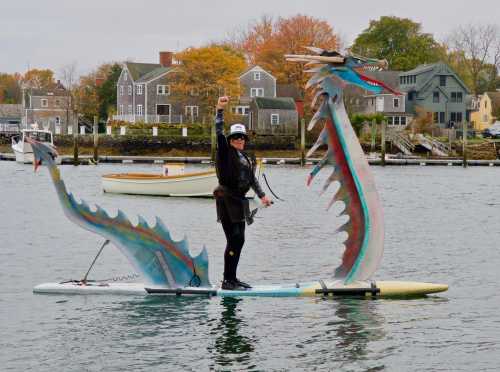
x: 144, y: 94
x: 48, y: 108
x: 273, y: 116
x: 438, y: 90
x: 11, y: 113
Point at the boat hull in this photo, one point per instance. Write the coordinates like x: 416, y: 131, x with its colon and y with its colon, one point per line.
x: 378, y: 289
x: 194, y: 184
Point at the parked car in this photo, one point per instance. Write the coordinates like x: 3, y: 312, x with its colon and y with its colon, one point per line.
x: 493, y: 131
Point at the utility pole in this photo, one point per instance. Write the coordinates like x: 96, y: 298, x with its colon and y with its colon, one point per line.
x: 75, y: 140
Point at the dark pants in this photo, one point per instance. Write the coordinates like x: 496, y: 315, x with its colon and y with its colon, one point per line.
x: 235, y: 237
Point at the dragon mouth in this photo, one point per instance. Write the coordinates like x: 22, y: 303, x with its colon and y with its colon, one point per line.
x: 375, y: 82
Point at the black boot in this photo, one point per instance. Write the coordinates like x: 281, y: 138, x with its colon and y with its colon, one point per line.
x: 243, y: 284
x: 231, y: 285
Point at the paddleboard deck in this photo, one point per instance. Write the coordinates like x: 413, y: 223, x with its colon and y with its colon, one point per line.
x: 376, y: 289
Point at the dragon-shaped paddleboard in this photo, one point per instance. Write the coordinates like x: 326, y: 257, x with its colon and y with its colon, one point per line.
x: 167, y: 267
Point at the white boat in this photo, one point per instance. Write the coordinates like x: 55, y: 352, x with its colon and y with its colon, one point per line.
x: 173, y: 182
x: 22, y: 149
x: 187, y: 184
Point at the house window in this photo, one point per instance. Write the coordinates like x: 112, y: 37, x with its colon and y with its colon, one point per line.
x: 58, y: 120
x: 162, y: 109
x: 163, y: 90
x: 390, y: 120
x: 403, y: 120
x: 139, y: 89
x: 442, y: 80
x: 379, y: 106
x: 129, y: 89
x: 456, y: 117
x: 275, y: 119
x: 435, y: 117
x: 441, y: 117
x: 121, y: 90
x: 395, y: 102
x: 396, y: 120
x: 401, y: 80
x: 139, y: 109
x: 241, y: 110
x: 256, y: 75
x: 129, y: 111
x: 411, y: 96
x: 121, y: 110
x: 45, y: 102
x: 58, y: 103
x: 257, y: 92
x: 459, y: 97
x: 191, y: 111
x: 435, y: 97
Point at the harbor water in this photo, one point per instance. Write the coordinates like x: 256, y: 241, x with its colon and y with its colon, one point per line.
x: 442, y: 225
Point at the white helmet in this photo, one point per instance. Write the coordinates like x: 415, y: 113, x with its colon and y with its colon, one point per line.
x: 237, y: 129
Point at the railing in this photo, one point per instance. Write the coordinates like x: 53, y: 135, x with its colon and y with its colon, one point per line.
x: 401, y: 141
x: 436, y: 147
x: 169, y: 119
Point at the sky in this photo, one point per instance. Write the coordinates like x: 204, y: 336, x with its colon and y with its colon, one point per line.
x: 56, y: 33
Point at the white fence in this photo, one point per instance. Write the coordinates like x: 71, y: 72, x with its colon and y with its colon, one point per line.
x: 169, y: 119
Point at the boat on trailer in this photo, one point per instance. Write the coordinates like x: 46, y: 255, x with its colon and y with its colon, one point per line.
x: 22, y: 148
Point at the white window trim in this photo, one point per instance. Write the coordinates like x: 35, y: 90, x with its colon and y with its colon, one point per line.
x: 256, y: 75
x: 121, y: 90
x: 139, y: 110
x: 129, y: 110
x: 129, y: 90
x: 254, y: 92
x: 44, y: 102
x: 191, y: 110
x: 394, y: 105
x: 164, y: 104
x: 165, y: 91
x: 58, y: 120
x: 139, y: 89
x: 122, y: 111
x: 277, y: 116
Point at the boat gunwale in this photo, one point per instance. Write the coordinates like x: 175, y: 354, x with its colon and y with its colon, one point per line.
x: 148, y: 176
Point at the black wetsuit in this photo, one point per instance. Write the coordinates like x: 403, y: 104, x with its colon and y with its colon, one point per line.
x: 235, y: 171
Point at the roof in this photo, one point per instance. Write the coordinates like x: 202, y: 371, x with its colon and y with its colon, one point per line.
x: 11, y: 111
x: 289, y: 90
x: 137, y: 70
x: 281, y: 103
x: 256, y: 68
x: 438, y: 68
x: 421, y: 69
x: 153, y: 74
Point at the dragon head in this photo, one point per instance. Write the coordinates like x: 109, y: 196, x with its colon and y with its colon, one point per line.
x: 42, y: 153
x: 348, y: 69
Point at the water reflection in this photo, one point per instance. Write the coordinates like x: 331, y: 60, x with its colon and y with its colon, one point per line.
x: 231, y: 345
x: 357, y: 323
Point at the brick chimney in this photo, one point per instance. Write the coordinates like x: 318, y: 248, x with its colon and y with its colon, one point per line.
x: 166, y: 59
x: 99, y: 81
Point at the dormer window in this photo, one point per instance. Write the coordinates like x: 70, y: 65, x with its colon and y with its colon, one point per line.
x: 256, y: 75
x: 442, y: 80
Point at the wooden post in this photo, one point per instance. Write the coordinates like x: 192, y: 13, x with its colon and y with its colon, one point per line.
x: 96, y: 140
x: 382, y: 143
x: 464, y: 143
x: 374, y: 134
x: 302, y: 142
x: 75, y: 142
x: 213, y: 143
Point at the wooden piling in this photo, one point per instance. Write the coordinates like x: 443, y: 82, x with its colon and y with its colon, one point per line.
x: 374, y: 134
x: 464, y: 143
x: 75, y: 142
x: 302, y: 142
x: 96, y: 140
x: 382, y: 143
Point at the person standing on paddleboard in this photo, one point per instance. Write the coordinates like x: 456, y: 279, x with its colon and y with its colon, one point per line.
x: 236, y: 174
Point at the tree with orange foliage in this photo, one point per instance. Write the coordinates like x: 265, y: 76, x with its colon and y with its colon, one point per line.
x: 266, y: 42
x: 207, y: 73
x: 39, y: 79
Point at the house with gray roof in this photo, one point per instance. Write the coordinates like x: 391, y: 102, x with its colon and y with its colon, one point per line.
x: 438, y: 90
x: 48, y: 108
x: 144, y: 94
x: 273, y: 116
